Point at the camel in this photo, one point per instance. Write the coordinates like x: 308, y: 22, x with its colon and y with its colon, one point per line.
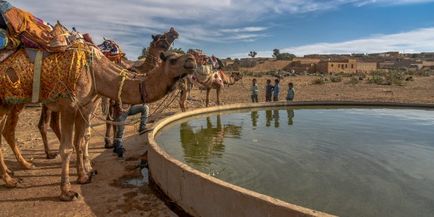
x: 216, y: 80
x: 159, y: 44
x: 81, y: 89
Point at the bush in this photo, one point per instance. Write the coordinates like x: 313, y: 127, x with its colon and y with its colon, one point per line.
x: 319, y: 81
x: 395, y: 77
x: 336, y: 78
x: 377, y: 79
x: 354, y: 80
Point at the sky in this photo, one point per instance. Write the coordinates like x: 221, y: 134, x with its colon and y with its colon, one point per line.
x: 232, y: 28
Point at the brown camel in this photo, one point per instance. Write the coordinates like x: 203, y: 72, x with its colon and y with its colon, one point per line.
x: 159, y: 44
x: 81, y: 89
x: 215, y: 80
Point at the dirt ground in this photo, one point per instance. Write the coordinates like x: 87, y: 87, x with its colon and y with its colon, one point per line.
x: 107, y: 195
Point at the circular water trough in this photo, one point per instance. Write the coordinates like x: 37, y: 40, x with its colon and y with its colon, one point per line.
x: 199, y: 194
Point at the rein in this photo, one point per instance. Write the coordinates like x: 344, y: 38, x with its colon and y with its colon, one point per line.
x: 123, y: 74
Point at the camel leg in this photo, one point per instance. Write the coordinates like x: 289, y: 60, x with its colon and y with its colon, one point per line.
x: 65, y: 151
x: 9, y: 181
x: 87, y: 162
x: 81, y: 127
x: 108, y: 129
x: 55, y: 124
x: 44, y: 119
x: 218, y: 95
x: 207, y: 97
x: 9, y: 135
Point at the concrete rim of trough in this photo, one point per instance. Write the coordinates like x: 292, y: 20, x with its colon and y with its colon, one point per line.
x: 158, y: 158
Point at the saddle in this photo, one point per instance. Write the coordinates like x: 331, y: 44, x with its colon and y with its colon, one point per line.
x: 31, y: 31
x: 111, y: 50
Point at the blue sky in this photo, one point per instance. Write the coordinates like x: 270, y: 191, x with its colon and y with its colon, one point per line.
x: 234, y: 27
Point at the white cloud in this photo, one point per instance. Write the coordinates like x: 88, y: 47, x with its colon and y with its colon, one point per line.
x: 420, y: 40
x: 131, y: 22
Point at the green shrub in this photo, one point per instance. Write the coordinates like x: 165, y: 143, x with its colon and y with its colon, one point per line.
x: 336, y: 78
x: 354, y: 80
x: 395, y: 78
x: 377, y: 79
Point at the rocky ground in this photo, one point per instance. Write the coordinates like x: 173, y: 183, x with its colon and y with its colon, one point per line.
x: 108, y: 195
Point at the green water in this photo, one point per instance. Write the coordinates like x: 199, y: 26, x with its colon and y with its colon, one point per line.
x: 344, y: 161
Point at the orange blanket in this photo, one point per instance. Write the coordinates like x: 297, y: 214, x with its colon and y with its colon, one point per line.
x: 60, y: 73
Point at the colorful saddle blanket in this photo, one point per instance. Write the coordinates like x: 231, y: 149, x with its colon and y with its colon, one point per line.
x: 111, y: 50
x: 32, y: 31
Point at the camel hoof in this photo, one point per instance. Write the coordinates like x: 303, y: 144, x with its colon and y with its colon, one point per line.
x: 84, y: 180
x: 28, y: 166
x: 69, y: 196
x: 11, y: 182
x: 10, y: 172
x: 51, y: 155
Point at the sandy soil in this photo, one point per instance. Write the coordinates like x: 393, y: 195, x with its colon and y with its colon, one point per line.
x: 107, y: 195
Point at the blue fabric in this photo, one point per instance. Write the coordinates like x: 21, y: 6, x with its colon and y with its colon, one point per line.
x: 291, y: 94
x: 3, y: 39
x: 276, y: 89
x: 4, y: 6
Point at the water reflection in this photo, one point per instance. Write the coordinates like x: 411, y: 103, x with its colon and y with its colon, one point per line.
x: 272, y: 115
x: 254, y: 115
x: 276, y: 117
x: 201, y: 143
x: 268, y: 117
x: 290, y: 113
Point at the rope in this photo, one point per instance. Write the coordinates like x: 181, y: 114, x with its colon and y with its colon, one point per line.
x: 123, y: 75
x: 90, y: 68
x: 173, y: 96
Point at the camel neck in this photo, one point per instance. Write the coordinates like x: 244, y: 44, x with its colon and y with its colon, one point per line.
x: 151, y: 61
x: 108, y: 79
x: 227, y: 79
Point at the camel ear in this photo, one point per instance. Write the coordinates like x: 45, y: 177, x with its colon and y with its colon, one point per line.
x: 163, y: 56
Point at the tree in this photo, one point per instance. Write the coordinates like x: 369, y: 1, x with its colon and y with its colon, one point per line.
x: 285, y: 56
x: 282, y: 56
x: 276, y: 52
x: 253, y: 54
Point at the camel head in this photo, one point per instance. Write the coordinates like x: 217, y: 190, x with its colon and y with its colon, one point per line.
x: 164, y: 42
x: 177, y: 66
x: 236, y: 76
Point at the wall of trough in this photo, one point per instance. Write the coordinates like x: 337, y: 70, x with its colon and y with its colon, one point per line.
x: 202, y: 195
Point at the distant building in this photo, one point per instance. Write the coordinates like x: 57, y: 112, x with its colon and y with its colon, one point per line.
x: 346, y: 66
x: 366, y: 67
x: 337, y: 66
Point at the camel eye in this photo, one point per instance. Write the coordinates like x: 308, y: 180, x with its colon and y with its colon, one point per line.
x: 173, y: 61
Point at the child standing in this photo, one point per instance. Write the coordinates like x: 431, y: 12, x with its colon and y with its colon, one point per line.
x: 276, y: 90
x: 291, y: 92
x: 254, y: 90
x: 268, y: 91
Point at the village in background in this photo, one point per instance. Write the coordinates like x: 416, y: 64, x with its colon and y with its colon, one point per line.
x: 289, y: 64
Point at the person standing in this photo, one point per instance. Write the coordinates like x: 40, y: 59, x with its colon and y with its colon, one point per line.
x: 268, y: 91
x: 255, y: 91
x: 291, y: 92
x: 276, y: 90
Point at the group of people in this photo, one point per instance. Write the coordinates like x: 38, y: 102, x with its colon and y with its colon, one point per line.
x: 271, y: 91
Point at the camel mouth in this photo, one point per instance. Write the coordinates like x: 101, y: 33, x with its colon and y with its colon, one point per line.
x: 190, y: 67
x: 190, y: 64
